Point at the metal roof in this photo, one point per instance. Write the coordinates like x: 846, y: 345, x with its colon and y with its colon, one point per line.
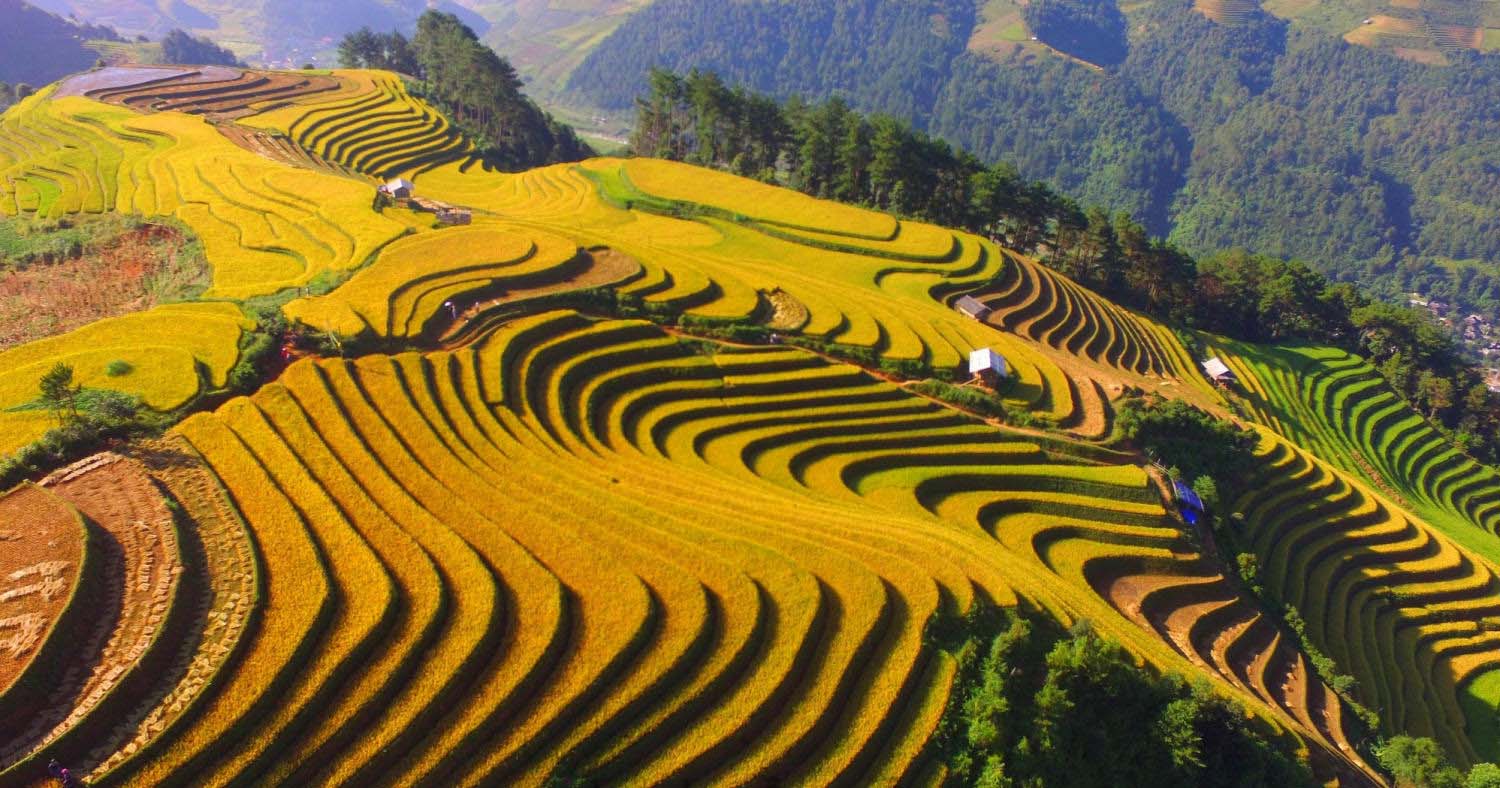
x: 1216, y: 369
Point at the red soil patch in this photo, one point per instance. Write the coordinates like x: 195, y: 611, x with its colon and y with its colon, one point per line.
x: 41, y: 549
x: 127, y: 275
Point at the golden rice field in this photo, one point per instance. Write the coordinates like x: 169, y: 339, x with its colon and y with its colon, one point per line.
x: 175, y: 352
x: 537, y: 528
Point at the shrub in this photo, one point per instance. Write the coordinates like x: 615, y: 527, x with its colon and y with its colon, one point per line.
x: 1418, y: 763
x: 118, y: 368
x: 1191, y: 440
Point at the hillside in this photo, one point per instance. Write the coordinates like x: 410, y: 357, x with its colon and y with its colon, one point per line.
x: 1429, y: 32
x: 37, y: 47
x: 630, y: 470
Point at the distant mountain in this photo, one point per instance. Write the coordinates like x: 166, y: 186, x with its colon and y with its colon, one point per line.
x: 1249, y: 132
x: 37, y: 47
x: 542, y: 37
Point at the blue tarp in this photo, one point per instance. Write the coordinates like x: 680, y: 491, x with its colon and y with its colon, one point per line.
x: 1188, y: 502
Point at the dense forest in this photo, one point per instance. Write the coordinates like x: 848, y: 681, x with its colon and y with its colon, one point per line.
x: 1294, y: 144
x: 37, y: 48
x: 1029, y: 699
x: 476, y: 87
x: 830, y: 150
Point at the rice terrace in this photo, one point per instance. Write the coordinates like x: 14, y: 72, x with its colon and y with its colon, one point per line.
x: 631, y: 471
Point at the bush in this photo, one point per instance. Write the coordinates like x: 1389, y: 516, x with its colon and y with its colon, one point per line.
x: 1182, y: 436
x: 118, y: 368
x: 1418, y: 763
x: 966, y: 397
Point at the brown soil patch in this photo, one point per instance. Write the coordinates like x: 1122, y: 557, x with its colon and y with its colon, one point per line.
x: 136, y: 271
x: 605, y: 267
x: 218, y: 588
x: 599, y: 268
x: 276, y: 147
x: 141, y: 566
x: 1460, y: 36
x: 220, y: 94
x: 41, y: 549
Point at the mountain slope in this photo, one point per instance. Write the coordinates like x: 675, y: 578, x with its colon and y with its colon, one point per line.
x: 37, y: 47
x: 644, y: 471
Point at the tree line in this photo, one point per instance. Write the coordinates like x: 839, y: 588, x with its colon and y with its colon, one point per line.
x: 827, y: 149
x: 473, y: 85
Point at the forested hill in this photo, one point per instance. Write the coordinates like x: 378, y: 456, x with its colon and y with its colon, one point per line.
x: 1256, y: 135
x: 37, y: 47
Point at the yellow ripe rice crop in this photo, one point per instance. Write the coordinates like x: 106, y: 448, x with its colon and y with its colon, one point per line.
x: 412, y: 278
x: 684, y: 183
x: 164, y: 347
x: 264, y: 226
x: 577, y: 547
x: 294, y: 613
x: 285, y: 236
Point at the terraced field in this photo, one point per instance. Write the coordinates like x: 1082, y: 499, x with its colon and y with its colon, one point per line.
x: 370, y: 125
x: 746, y: 603
x: 532, y: 541
x: 1406, y: 610
x: 1339, y: 408
x: 1031, y: 300
x: 405, y: 290
x: 174, y: 352
x: 260, y: 228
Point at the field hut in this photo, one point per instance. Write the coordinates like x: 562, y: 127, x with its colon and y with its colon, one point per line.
x: 988, y: 366
x: 969, y: 306
x: 1218, y: 371
x: 399, y: 189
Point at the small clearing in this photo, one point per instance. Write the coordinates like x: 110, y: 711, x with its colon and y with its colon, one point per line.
x: 1382, y: 26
